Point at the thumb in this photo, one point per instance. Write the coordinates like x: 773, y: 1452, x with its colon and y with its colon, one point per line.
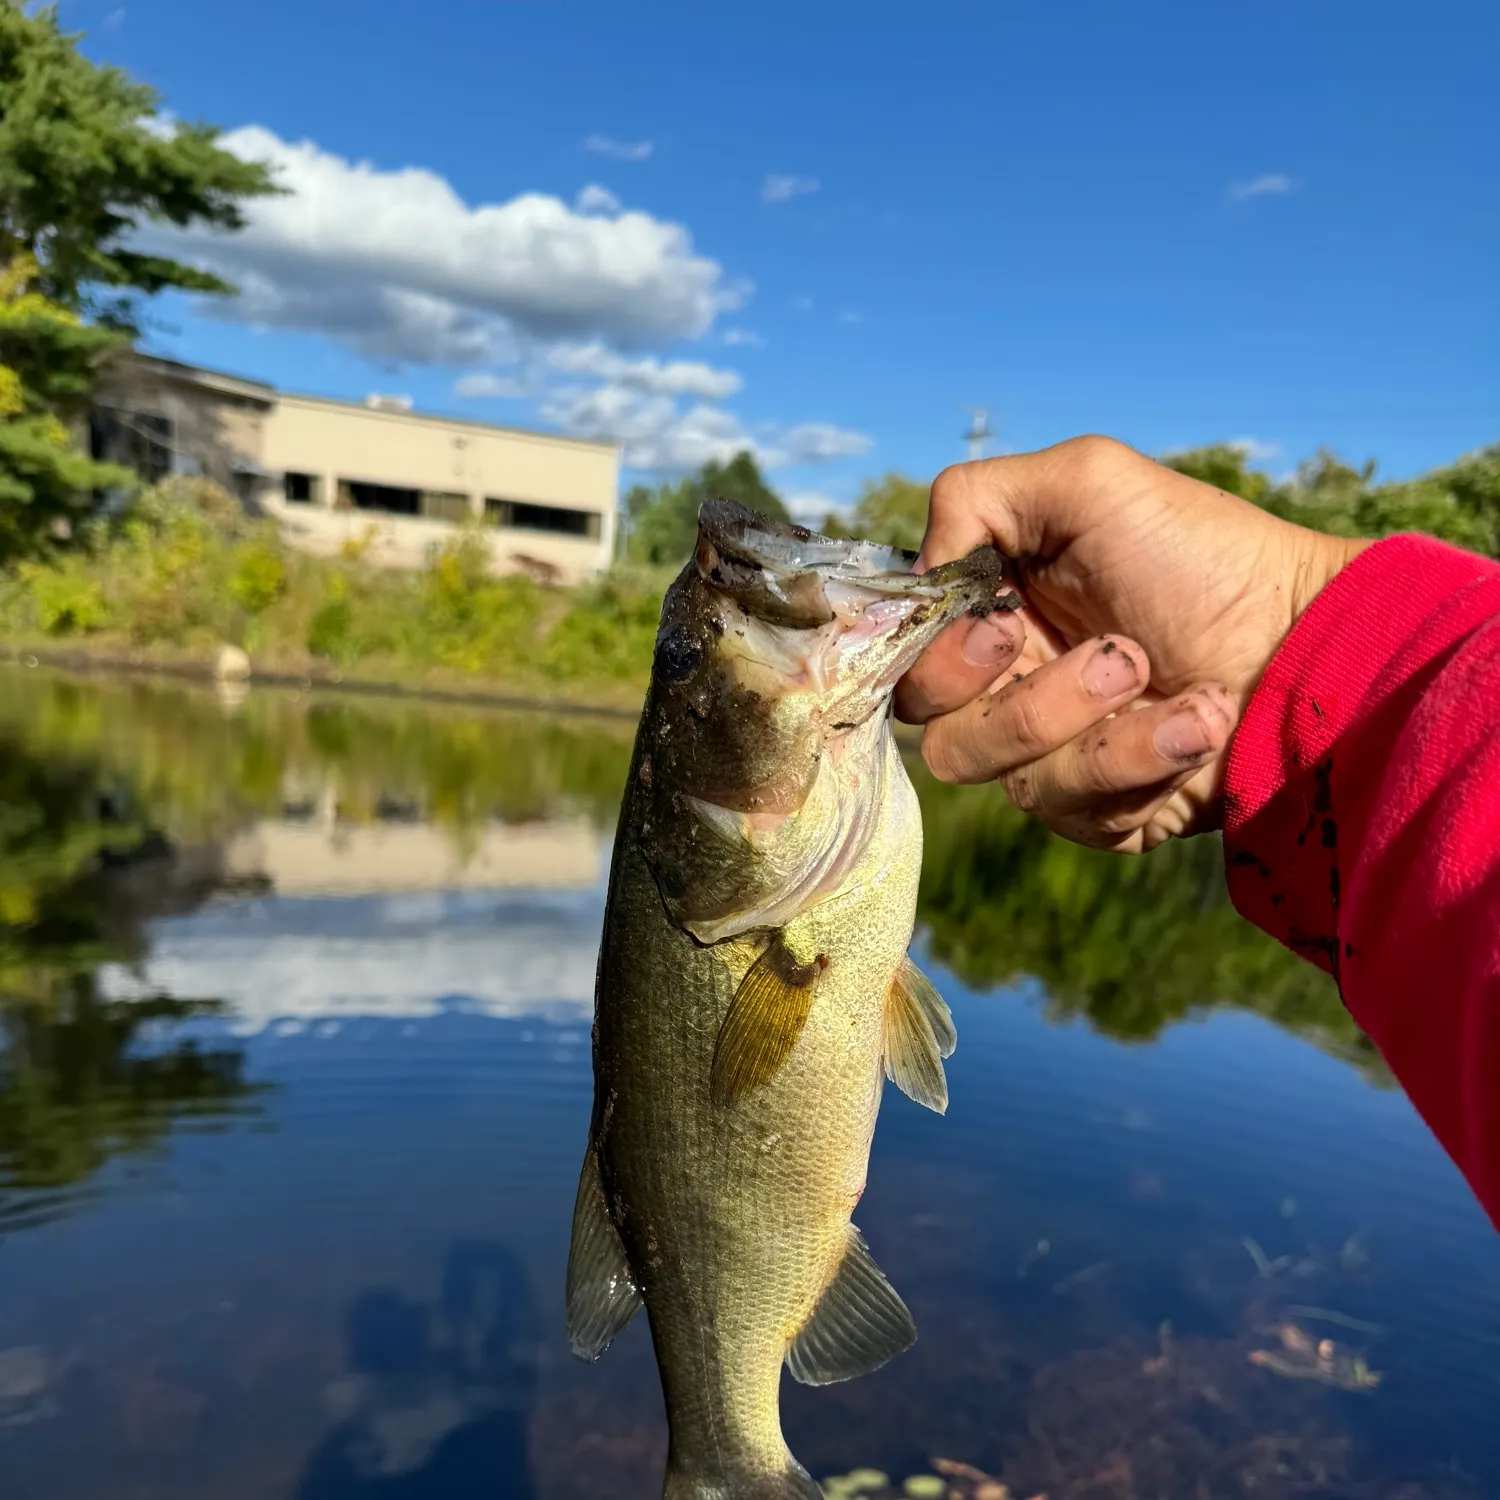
x: 1027, y: 504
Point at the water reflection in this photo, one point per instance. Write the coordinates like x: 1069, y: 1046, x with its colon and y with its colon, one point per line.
x: 294, y: 1009
x: 436, y: 1399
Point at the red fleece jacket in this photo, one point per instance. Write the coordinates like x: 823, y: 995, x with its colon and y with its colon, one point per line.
x: 1363, y: 823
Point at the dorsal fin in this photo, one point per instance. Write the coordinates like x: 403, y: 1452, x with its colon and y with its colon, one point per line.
x: 918, y: 1035
x: 602, y: 1296
x: 858, y: 1324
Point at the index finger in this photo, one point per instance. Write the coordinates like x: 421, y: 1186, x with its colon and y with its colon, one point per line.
x: 960, y: 664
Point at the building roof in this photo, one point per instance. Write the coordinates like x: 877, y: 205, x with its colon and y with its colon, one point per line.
x: 215, y: 380
x: 258, y: 390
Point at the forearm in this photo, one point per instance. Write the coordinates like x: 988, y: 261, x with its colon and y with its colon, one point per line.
x: 1363, y: 823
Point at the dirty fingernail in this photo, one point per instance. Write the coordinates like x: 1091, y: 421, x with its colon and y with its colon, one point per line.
x: 1109, y: 672
x: 1182, y: 736
x: 991, y: 641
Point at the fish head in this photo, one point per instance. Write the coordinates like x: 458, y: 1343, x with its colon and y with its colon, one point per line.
x: 775, y: 662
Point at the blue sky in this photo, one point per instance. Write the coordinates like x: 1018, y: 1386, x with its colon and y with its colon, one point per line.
x: 828, y: 229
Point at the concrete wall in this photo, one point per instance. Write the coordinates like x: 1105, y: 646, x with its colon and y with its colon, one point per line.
x: 338, y: 443
x: 217, y: 429
x: 303, y: 859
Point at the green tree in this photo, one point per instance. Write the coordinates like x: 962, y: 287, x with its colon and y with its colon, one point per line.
x: 47, y: 361
x: 86, y: 160
x: 1459, y: 503
x: 663, y: 523
x: 1226, y: 466
x: 892, y: 510
x: 86, y: 163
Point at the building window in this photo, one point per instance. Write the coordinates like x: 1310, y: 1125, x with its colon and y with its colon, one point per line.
x: 433, y: 505
x: 561, y: 520
x: 141, y: 440
x: 356, y: 494
x: 303, y: 489
x: 440, y: 506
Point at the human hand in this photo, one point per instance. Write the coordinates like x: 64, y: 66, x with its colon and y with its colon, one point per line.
x: 1153, y: 603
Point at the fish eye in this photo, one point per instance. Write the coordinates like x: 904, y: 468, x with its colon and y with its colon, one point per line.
x: 677, y: 654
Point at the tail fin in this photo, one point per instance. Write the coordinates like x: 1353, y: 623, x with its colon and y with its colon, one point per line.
x: 792, y: 1483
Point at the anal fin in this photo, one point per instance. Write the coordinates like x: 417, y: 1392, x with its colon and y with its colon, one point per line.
x: 859, y: 1323
x: 919, y: 1033
x: 765, y: 1018
x: 602, y: 1296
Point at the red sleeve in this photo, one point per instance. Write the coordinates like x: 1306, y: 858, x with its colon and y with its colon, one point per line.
x: 1363, y: 823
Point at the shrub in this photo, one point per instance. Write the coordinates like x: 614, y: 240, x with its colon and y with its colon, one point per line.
x: 63, y: 598
x: 259, y: 578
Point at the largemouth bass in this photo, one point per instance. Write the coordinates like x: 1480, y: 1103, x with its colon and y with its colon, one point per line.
x: 754, y: 988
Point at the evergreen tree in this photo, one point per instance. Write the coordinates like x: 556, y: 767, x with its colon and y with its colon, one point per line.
x: 86, y: 162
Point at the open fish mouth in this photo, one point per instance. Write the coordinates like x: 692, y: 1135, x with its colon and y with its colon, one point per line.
x: 788, y: 575
x: 866, y: 614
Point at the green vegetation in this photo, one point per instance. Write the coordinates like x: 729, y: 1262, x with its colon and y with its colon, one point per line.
x: 892, y: 510
x: 1459, y: 502
x: 47, y: 360
x: 661, y: 524
x: 86, y: 162
x: 184, y: 571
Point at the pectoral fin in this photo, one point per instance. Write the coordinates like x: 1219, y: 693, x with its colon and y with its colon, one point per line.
x: 932, y: 1004
x: 918, y: 1035
x: 857, y: 1326
x: 765, y: 1019
x: 602, y: 1297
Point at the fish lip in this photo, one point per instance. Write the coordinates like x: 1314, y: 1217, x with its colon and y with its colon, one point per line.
x: 788, y: 566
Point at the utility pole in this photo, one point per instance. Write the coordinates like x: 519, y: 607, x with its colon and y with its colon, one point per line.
x: 979, y: 431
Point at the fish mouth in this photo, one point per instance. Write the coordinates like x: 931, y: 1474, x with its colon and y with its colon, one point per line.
x: 782, y: 572
x: 866, y: 616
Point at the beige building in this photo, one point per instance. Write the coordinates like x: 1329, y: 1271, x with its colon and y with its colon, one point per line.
x: 377, y: 475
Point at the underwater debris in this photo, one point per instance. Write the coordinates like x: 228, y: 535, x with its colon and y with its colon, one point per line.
x: 1080, y: 1278
x: 1043, y: 1247
x: 1300, y: 1359
x: 1343, y: 1320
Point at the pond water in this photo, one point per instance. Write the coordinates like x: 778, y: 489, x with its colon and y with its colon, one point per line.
x: 295, y: 996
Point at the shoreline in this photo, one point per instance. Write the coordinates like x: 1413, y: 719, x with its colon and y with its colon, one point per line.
x: 78, y: 662
x: 85, y: 663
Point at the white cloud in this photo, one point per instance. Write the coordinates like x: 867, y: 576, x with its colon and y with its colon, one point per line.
x: 1267, y: 185
x: 655, y: 434
x: 812, y: 507
x: 492, y: 387
x: 816, y: 442
x: 602, y: 145
x: 673, y: 378
x: 851, y: 317
x: 782, y: 187
x: 743, y: 338
x: 594, y: 199
x: 396, y: 264
x: 802, y: 304
x: 1255, y: 450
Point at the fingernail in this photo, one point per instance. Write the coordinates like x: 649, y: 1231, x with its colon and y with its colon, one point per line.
x: 991, y: 640
x: 1110, y: 672
x: 1182, y: 736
